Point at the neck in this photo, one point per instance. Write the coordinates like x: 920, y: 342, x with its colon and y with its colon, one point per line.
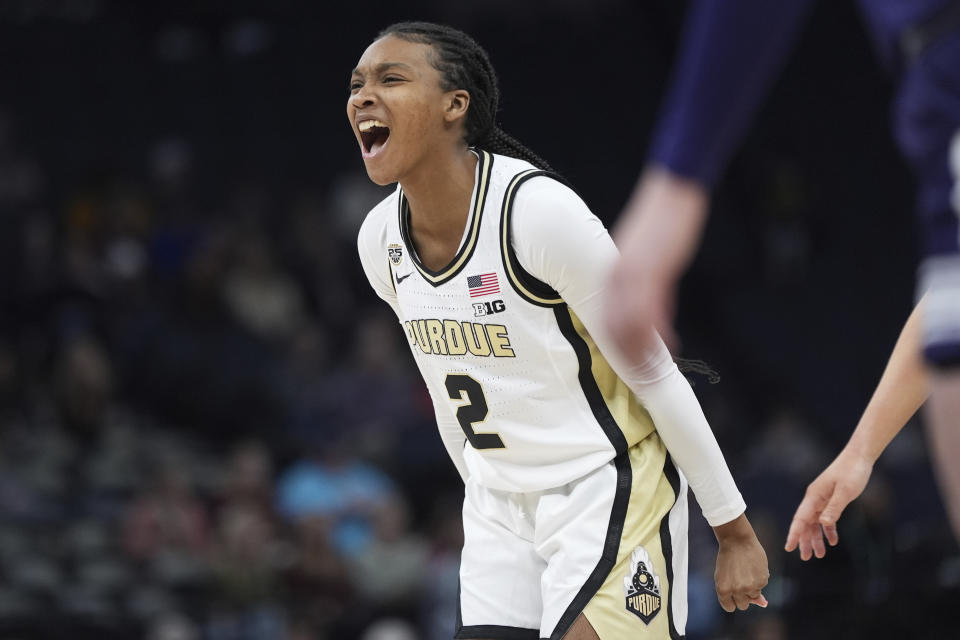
x: 439, y: 195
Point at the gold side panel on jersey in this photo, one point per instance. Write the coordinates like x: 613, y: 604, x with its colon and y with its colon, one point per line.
x: 505, y: 241
x: 631, y: 416
x: 467, y: 250
x: 612, y: 613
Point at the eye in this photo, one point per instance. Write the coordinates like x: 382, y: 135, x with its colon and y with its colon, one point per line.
x: 355, y: 84
x: 391, y: 79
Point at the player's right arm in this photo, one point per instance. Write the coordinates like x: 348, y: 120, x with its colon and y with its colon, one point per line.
x: 372, y: 247
x: 902, y: 389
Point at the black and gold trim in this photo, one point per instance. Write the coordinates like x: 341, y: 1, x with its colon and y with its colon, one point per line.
x: 611, y: 546
x: 527, y: 286
x: 598, y: 404
x: 437, y: 278
x: 495, y: 632
x: 666, y: 546
x: 621, y: 500
x: 491, y: 631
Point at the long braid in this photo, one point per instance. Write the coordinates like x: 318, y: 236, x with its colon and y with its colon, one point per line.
x: 687, y: 365
x: 463, y: 64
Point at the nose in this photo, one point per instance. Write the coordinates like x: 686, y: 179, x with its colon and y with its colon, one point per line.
x: 362, y: 98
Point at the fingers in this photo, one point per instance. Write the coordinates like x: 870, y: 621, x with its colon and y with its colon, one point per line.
x: 806, y: 547
x: 816, y: 541
x: 815, y: 518
x: 727, y: 603
x: 742, y: 602
x: 760, y: 601
x: 730, y: 602
x: 831, y: 532
x: 809, y: 539
x: 831, y: 513
x: 793, y: 536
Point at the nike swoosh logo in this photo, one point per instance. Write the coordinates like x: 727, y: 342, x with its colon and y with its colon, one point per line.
x: 402, y: 278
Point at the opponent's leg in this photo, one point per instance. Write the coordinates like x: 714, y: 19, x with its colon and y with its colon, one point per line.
x: 943, y: 428
x: 941, y: 278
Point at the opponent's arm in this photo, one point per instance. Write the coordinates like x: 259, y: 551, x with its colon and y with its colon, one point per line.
x: 903, y: 387
x: 729, y: 55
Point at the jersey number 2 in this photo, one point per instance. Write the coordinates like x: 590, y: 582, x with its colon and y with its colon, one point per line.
x: 474, y: 411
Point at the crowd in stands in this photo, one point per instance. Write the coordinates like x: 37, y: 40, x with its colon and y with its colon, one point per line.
x: 211, y: 429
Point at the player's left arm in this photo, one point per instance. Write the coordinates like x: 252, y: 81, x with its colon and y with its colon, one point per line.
x: 558, y: 240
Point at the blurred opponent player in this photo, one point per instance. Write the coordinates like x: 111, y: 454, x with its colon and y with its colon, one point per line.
x: 574, y: 513
x: 730, y: 54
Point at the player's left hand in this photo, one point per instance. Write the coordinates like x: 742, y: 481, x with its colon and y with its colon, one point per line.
x: 742, y: 570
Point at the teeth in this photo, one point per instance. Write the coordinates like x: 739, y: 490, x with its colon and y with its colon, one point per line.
x: 366, y: 125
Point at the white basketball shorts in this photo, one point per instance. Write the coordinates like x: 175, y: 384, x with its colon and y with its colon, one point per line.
x: 611, y: 545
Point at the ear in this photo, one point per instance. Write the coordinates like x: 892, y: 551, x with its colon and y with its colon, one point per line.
x: 456, y: 105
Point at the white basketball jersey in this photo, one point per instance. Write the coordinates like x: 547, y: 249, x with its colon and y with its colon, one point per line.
x: 538, y: 404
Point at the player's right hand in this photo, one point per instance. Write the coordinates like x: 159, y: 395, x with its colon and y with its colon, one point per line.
x: 826, y: 498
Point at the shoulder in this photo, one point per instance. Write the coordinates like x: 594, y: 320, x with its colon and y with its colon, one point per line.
x: 374, y: 226
x: 544, y: 203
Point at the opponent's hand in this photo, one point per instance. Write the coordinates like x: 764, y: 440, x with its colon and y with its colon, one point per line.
x: 657, y: 235
x: 641, y: 298
x: 824, y: 501
x: 742, y: 570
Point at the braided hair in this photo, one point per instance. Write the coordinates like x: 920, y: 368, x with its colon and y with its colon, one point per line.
x: 463, y: 64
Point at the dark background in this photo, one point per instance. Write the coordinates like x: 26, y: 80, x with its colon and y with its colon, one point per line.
x: 210, y: 425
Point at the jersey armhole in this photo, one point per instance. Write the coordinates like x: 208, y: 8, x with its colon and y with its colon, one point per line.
x: 526, y: 285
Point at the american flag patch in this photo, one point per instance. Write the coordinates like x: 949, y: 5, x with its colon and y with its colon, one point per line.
x: 483, y: 285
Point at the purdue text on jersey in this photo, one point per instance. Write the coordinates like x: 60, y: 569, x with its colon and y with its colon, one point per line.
x: 457, y: 338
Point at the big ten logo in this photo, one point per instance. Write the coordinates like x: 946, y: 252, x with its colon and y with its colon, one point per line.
x: 488, y: 308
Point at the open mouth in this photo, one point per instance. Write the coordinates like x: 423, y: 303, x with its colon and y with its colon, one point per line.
x: 373, y: 136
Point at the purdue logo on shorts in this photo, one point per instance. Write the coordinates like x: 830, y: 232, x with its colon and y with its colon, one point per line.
x: 642, y: 587
x: 395, y: 251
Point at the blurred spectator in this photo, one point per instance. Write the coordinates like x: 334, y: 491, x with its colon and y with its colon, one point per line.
x: 84, y: 384
x: 390, y: 629
x: 263, y: 298
x: 336, y: 488
x: 172, y: 626
x: 392, y: 570
x: 249, y: 557
x: 318, y: 581
x: 168, y: 527
x: 441, y: 599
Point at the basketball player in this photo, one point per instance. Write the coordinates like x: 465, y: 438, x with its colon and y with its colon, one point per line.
x: 576, y: 465
x: 730, y: 54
